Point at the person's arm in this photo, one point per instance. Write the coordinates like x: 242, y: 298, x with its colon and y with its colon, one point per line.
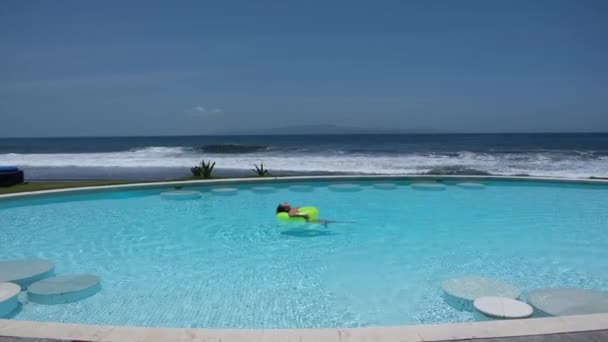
x: 294, y: 213
x: 304, y: 216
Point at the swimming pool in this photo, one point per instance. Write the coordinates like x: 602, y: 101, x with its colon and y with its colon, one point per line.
x: 223, y: 261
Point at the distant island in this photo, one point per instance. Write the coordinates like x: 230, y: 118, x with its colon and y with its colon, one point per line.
x: 324, y: 129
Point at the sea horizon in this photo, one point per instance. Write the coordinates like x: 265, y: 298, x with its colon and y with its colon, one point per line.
x: 300, y: 134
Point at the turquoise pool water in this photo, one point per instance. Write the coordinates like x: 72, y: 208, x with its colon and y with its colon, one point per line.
x: 223, y: 261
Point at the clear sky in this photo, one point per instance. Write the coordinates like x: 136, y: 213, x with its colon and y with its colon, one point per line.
x: 195, y: 67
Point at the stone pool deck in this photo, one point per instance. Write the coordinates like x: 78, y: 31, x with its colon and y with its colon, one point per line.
x: 588, y: 336
x: 566, y: 328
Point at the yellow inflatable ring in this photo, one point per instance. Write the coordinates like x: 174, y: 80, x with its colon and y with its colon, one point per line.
x: 312, y: 213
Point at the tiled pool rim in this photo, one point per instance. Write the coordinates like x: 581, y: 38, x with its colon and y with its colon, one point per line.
x: 436, y: 332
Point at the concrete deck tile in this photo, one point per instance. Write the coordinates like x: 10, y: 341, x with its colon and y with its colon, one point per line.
x: 393, y: 334
x: 543, y: 326
x: 3, y: 323
x: 501, y: 328
x: 55, y: 330
x: 584, y: 322
x: 301, y: 335
x: 166, y: 334
x: 223, y: 335
x: 139, y: 334
x: 443, y: 332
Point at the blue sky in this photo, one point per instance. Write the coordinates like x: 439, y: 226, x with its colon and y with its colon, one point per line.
x: 197, y: 67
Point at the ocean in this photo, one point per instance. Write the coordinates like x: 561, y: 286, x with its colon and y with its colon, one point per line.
x: 146, y: 158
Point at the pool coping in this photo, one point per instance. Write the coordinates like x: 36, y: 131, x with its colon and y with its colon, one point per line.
x: 434, y: 332
x: 164, y: 184
x: 413, y: 333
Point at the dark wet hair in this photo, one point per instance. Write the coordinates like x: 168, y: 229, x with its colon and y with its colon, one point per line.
x: 281, y: 209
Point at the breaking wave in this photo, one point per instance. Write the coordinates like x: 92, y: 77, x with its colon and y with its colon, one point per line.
x: 242, y: 157
x: 232, y: 148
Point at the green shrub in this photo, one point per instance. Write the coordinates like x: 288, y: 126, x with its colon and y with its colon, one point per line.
x: 260, y: 170
x: 203, y: 169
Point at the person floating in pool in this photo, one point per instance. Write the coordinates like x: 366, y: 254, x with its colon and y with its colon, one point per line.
x: 285, y: 207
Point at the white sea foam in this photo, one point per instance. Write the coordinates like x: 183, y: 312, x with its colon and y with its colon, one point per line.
x: 536, y: 163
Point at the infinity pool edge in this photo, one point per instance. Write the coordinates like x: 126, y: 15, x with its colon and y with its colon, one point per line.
x: 100, y: 188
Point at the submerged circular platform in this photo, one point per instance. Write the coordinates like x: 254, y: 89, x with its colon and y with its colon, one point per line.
x: 344, y: 187
x: 301, y: 188
x: 472, y: 186
x: 568, y: 301
x: 502, y: 308
x: 25, y: 272
x: 385, y: 186
x: 9, y: 300
x: 63, y: 289
x: 225, y: 191
x: 181, y: 194
x: 461, y: 292
x: 428, y: 186
x: 263, y: 189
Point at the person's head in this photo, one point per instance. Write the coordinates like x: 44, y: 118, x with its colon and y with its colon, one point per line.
x: 283, y: 208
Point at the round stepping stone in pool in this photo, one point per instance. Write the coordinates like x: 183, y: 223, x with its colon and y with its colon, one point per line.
x: 461, y: 292
x: 301, y: 188
x: 568, y: 301
x: 25, y: 272
x: 263, y: 189
x: 63, y: 289
x: 224, y: 191
x: 472, y: 186
x: 428, y: 186
x: 345, y: 187
x: 502, y: 308
x: 181, y: 194
x: 385, y: 186
x: 9, y: 298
